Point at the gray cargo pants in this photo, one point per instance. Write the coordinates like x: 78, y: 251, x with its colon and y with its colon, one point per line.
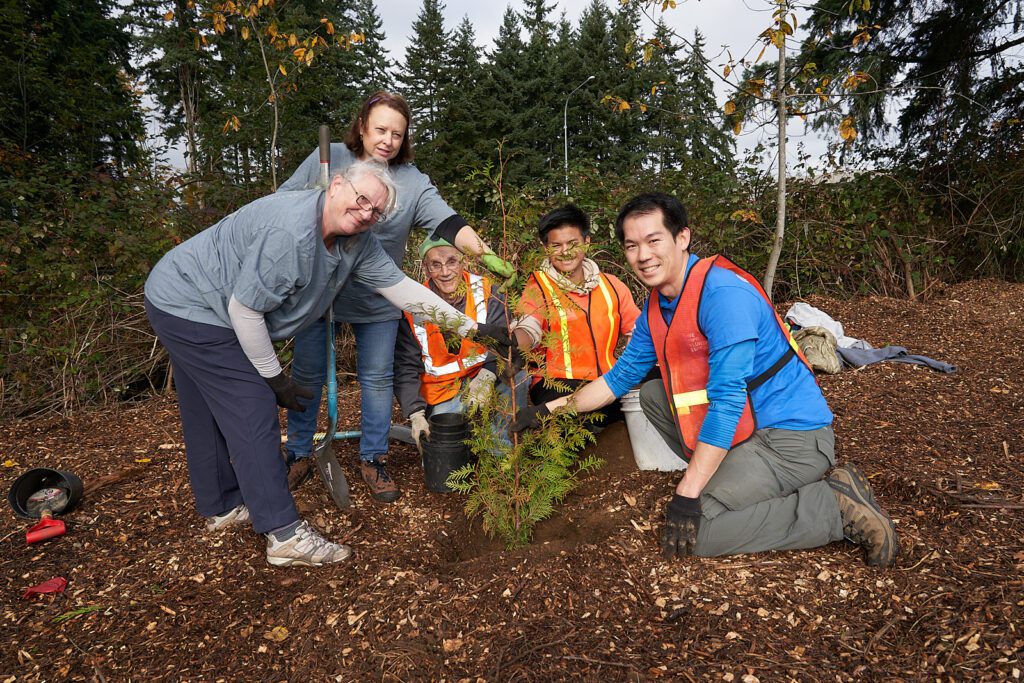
x: 768, y: 493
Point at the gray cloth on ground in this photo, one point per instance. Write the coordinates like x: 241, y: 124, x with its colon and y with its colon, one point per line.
x: 898, y: 354
x: 858, y: 352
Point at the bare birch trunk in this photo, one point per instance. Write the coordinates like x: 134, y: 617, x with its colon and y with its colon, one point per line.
x: 780, y: 216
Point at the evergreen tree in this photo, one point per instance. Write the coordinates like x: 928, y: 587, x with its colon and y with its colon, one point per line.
x: 948, y: 67
x: 625, y: 128
x: 701, y: 125
x: 372, y: 57
x: 424, y: 74
x: 255, y: 100
x: 460, y: 143
x: 176, y: 73
x: 501, y: 92
x: 664, y: 118
x: 537, y: 116
x: 588, y: 117
x: 68, y: 91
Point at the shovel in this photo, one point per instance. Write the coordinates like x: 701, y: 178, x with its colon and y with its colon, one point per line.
x: 326, y: 462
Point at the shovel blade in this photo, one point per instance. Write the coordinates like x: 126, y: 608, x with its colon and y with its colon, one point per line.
x: 44, y: 530
x: 332, y: 475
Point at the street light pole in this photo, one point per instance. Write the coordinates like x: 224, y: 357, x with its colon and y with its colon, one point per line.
x: 565, y: 129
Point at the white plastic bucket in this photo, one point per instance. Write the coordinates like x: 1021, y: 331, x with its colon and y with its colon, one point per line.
x: 649, y: 450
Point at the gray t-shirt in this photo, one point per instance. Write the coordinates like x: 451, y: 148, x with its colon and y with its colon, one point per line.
x: 270, y: 256
x: 419, y: 205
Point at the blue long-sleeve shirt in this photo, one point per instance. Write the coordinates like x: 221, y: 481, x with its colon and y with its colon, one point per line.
x: 743, y: 341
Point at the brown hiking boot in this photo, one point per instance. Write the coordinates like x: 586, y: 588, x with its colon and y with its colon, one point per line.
x: 864, y: 522
x: 299, y: 471
x: 383, y: 488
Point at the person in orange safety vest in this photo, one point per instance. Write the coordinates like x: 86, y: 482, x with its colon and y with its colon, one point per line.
x: 735, y: 399
x: 577, y: 312
x: 429, y: 377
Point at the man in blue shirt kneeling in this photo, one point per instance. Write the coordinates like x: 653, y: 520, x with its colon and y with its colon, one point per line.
x: 736, y: 400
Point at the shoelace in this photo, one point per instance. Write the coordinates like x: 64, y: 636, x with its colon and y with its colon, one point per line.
x: 382, y: 473
x: 313, y: 540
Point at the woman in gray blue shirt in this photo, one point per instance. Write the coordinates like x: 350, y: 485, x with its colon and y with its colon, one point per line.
x: 379, y: 131
x: 219, y: 300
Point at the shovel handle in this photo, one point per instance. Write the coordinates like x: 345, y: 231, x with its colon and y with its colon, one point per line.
x: 325, y: 156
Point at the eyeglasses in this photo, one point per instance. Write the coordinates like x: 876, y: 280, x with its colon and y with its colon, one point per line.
x: 439, y: 266
x: 366, y: 205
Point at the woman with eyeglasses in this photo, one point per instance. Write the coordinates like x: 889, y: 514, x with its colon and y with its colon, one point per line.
x: 219, y: 300
x: 379, y: 131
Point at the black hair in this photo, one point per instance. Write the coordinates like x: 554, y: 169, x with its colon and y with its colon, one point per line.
x: 569, y: 215
x: 673, y: 213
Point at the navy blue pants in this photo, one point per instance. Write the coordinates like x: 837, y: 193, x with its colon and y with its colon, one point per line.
x: 230, y: 422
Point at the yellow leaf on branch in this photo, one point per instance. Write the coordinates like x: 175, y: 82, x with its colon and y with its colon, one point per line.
x: 169, y: 16
x: 280, y: 67
x: 862, y: 37
x: 245, y: 33
x: 855, y: 80
x: 729, y: 108
x: 846, y: 130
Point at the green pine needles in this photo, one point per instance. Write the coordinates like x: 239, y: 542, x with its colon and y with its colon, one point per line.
x: 515, y: 484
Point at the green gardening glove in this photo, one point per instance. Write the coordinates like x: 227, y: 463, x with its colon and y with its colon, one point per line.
x: 499, y: 267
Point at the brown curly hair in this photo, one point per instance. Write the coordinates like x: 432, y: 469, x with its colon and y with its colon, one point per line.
x: 354, y: 137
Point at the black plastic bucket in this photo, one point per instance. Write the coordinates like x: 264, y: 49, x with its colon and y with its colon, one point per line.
x: 445, y: 451
x: 42, y: 478
x: 448, y: 427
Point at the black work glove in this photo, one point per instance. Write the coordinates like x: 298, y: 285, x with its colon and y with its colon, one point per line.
x: 682, y: 521
x: 496, y: 333
x: 288, y: 392
x: 529, y: 417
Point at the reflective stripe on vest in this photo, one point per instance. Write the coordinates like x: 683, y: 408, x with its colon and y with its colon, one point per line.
x: 682, y: 351
x: 599, y: 323
x: 443, y: 370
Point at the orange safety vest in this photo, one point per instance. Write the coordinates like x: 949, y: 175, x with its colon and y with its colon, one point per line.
x: 569, y: 356
x: 444, y: 371
x: 682, y: 351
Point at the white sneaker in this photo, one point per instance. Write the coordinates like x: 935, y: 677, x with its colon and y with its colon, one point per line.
x: 234, y: 516
x: 306, y: 548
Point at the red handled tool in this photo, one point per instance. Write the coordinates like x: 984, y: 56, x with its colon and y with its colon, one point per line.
x: 43, y: 502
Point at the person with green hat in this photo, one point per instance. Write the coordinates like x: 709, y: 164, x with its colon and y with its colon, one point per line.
x: 431, y: 377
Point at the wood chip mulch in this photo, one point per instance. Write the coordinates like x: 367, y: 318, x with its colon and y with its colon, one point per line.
x: 151, y: 596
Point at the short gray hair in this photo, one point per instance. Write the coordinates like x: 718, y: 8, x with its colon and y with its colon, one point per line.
x: 378, y: 170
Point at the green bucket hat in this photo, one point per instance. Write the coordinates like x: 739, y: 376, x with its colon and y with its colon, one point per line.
x: 428, y: 244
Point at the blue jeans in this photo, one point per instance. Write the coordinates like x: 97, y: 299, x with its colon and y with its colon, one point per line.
x: 375, y: 360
